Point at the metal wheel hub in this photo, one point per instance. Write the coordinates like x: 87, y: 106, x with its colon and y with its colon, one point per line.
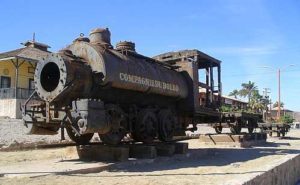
x: 145, y: 127
x: 116, y: 118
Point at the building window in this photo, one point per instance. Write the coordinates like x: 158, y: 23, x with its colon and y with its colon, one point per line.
x: 31, y: 83
x: 31, y: 70
x: 5, y: 82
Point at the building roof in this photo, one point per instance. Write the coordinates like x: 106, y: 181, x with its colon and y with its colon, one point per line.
x: 235, y: 99
x: 33, y: 51
x: 282, y: 109
x: 193, y: 55
x: 31, y: 43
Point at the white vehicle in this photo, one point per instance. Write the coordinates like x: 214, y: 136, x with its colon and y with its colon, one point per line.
x: 296, y: 125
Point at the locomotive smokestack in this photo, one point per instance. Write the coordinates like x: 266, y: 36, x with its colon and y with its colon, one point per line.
x: 60, y: 73
x: 100, y: 36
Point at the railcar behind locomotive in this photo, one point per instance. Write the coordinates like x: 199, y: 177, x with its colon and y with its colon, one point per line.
x: 90, y: 87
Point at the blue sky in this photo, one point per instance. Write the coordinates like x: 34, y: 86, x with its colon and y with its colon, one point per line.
x: 244, y: 35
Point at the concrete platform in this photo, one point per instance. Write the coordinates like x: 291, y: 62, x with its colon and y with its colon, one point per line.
x: 240, y: 140
x: 142, y: 151
x: 181, y: 148
x: 123, y: 152
x: 165, y: 149
x: 103, y: 153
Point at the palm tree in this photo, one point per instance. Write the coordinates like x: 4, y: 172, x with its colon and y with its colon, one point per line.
x: 234, y: 93
x: 256, y: 103
x: 247, y: 90
x: 276, y: 104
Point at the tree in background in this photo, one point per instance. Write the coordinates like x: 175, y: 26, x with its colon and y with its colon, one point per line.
x: 275, y: 105
x: 256, y: 104
x: 234, y: 93
x: 247, y: 90
x: 286, y: 119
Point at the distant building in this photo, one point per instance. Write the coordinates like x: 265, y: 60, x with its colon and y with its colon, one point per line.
x: 234, y: 102
x: 272, y: 114
x: 225, y: 100
x: 296, y: 116
x: 16, y: 76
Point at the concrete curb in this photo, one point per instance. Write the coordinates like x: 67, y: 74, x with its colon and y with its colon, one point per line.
x: 288, y: 172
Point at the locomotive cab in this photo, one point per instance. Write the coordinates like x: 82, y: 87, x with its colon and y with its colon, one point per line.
x: 204, y: 74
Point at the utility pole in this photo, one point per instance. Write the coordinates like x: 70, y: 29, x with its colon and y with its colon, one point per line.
x: 279, y: 104
x: 267, y: 100
x: 279, y: 93
x: 266, y: 91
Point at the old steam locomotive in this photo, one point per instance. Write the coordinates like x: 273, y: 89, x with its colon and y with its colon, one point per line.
x: 90, y: 87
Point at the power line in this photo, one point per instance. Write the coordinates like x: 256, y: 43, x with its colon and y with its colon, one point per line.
x: 258, y: 74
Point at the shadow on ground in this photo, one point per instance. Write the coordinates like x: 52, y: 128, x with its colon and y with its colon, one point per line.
x: 194, y: 158
x: 214, y: 157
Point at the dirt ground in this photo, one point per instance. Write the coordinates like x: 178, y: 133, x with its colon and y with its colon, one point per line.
x: 201, y: 165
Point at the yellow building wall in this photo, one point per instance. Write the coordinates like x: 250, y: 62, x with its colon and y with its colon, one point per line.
x: 24, y: 75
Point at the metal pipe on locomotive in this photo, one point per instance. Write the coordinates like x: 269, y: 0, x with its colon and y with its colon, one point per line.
x: 90, y: 87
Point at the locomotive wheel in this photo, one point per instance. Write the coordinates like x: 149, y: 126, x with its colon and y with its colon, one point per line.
x: 166, y: 125
x: 218, y: 129
x: 283, y: 132
x: 236, y: 129
x: 250, y: 130
x: 117, y: 120
x: 251, y: 125
x: 82, y: 139
x: 145, y: 127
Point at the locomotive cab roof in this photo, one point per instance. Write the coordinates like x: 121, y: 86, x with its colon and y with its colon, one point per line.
x: 203, y: 60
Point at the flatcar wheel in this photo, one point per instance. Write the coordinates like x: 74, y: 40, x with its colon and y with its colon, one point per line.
x: 251, y: 125
x: 250, y: 130
x: 278, y: 133
x: 270, y: 133
x: 218, y: 129
x: 166, y: 127
x: 145, y: 127
x: 236, y: 129
x: 283, y: 133
x: 82, y: 139
x: 113, y: 137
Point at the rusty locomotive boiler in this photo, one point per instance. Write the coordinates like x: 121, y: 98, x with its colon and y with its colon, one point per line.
x: 90, y: 87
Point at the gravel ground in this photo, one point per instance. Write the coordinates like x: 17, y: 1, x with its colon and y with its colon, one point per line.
x: 13, y: 132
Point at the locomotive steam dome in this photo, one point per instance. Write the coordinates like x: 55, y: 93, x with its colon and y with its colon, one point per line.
x: 126, y: 45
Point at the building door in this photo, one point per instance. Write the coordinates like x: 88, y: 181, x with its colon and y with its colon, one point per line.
x: 5, y: 82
